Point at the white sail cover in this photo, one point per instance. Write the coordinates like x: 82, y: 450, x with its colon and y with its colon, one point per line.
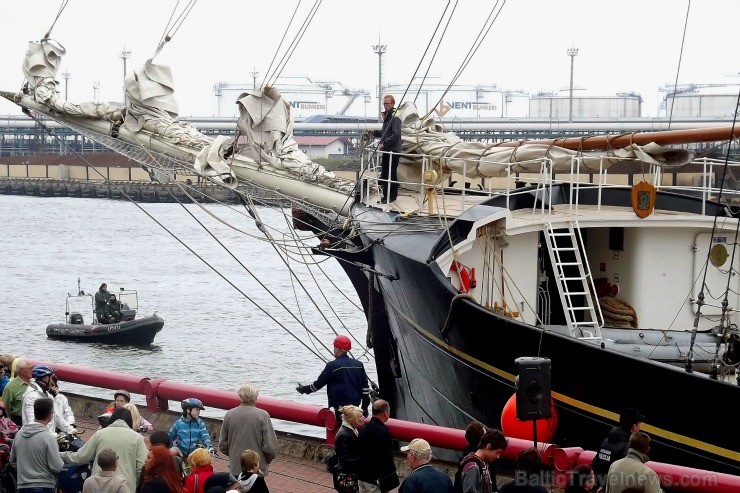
x: 40, y: 67
x: 481, y: 159
x: 266, y: 121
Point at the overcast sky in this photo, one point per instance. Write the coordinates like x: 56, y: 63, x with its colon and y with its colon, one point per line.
x: 625, y: 45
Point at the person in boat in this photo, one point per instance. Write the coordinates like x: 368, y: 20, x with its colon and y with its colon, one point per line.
x: 188, y: 432
x: 345, y: 380
x: 616, y: 443
x: 390, y: 142
x: 112, y: 313
x: 101, y: 301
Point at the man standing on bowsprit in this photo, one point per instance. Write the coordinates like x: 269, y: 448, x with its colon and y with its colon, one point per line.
x: 390, y: 142
x: 345, y: 380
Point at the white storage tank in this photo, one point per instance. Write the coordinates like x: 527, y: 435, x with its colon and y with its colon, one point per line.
x: 699, y: 100
x: 307, y: 98
x: 557, y: 105
x: 461, y: 101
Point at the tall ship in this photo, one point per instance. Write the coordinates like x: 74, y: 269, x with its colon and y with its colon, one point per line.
x: 491, y: 252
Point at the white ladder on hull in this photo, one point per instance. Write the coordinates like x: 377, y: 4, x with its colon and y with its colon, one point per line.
x: 575, y: 283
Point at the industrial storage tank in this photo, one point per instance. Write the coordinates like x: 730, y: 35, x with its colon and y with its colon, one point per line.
x: 699, y: 100
x: 556, y: 105
x: 464, y: 102
x: 307, y: 98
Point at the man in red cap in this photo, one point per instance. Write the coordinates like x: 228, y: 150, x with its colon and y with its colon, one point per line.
x: 345, y: 380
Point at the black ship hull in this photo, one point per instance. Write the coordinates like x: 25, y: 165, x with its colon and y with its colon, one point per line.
x: 445, y: 360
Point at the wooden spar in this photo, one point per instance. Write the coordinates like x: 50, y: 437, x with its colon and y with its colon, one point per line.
x: 667, y: 137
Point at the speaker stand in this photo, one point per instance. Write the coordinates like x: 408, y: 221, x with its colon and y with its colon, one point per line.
x: 534, y: 432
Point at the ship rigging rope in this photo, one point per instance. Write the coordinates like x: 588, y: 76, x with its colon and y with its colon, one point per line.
x: 678, y: 66
x: 434, y: 55
x: 173, y: 26
x: 294, y: 44
x: 59, y: 14
x: 179, y: 240
x: 280, y: 45
x: 496, y: 9
x: 251, y: 209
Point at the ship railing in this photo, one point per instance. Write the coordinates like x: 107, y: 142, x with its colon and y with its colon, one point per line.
x: 508, y: 182
x: 159, y: 391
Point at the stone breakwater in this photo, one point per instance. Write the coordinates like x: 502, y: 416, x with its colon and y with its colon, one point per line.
x: 149, y: 192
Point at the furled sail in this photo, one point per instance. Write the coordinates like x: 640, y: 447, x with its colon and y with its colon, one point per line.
x: 266, y: 121
x: 481, y: 159
x: 40, y: 67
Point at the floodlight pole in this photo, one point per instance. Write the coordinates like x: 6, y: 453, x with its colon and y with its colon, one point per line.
x: 572, y: 53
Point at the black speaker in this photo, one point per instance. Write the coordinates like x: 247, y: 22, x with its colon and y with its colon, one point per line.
x: 533, y: 389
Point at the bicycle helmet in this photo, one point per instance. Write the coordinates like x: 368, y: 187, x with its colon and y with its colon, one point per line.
x: 41, y: 371
x: 191, y: 402
x: 122, y: 393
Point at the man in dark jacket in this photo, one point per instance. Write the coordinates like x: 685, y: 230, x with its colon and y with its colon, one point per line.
x: 112, y: 313
x: 615, y: 445
x: 424, y: 477
x: 101, y: 301
x: 345, y: 380
x: 377, y: 469
x: 390, y: 142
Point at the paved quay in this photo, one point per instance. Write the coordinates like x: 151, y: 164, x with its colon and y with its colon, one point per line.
x: 287, y: 474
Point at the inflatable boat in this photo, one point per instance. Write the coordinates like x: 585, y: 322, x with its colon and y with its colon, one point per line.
x: 135, y: 332
x: 127, y: 330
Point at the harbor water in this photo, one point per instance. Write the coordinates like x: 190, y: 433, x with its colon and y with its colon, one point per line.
x: 214, y: 335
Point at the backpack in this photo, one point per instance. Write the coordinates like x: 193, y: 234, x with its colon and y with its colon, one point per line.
x: 471, y: 457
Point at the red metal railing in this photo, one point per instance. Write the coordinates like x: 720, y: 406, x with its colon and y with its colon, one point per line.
x: 158, y: 391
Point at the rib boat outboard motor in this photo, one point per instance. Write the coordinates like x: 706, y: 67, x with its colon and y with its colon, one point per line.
x: 76, y: 318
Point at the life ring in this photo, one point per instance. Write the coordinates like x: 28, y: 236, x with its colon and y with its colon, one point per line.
x: 467, y: 276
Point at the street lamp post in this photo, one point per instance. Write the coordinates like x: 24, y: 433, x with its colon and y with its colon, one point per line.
x: 254, y: 75
x: 125, y: 54
x: 380, y: 49
x: 572, y: 53
x: 96, y: 88
x: 66, y: 76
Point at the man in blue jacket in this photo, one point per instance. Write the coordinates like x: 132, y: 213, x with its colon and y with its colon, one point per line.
x: 345, y: 380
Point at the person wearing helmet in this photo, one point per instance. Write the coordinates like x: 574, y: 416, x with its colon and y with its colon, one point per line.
x: 345, y: 380
x: 39, y: 388
x: 120, y: 398
x: 189, y: 432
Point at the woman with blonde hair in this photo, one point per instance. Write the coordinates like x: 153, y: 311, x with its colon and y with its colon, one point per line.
x: 347, y: 447
x: 199, y: 461
x: 140, y: 424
